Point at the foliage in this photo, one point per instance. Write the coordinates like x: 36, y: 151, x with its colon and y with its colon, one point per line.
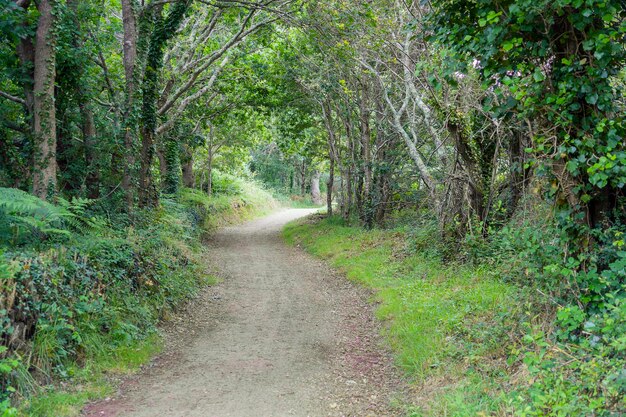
x: 27, y: 219
x: 487, y: 137
x: 567, y: 337
x: 580, y: 372
x: 555, y: 66
x: 234, y: 201
x: 554, y: 60
x: 577, y: 363
x: 571, y: 344
x: 22, y: 211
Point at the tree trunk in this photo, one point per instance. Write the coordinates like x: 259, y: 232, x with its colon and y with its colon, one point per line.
x: 26, y: 54
x: 518, y: 173
x: 375, y: 206
x: 296, y: 177
x: 209, y: 188
x: 189, y: 180
x: 380, y: 187
x: 329, y: 186
x: 164, y: 30
x: 474, y: 178
x: 422, y: 169
x: 44, y: 123
x: 384, y: 199
x: 348, y: 171
x: 327, y: 112
x: 342, y: 193
x: 347, y: 208
x: 162, y: 163
x: 92, y: 181
x: 148, y: 196
x: 130, y: 57
x: 171, y: 171
x: 365, y: 149
x: 88, y: 125
x: 303, y: 178
x: 316, y: 195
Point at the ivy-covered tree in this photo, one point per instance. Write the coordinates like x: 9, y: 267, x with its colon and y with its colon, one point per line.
x: 554, y: 63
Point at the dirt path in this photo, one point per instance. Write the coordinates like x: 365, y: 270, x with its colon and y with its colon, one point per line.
x: 282, y: 335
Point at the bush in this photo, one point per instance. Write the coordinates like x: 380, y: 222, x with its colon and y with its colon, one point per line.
x: 579, y: 368
x: 574, y: 347
x: 26, y: 219
x: 225, y: 184
x: 64, y: 297
x: 566, y: 331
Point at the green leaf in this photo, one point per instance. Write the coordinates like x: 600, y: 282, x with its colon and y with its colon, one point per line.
x: 592, y: 98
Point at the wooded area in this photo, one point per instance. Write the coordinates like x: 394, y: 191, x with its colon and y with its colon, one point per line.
x: 498, y: 123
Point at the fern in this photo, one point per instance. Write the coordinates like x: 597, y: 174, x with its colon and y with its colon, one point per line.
x: 27, y: 219
x: 78, y: 218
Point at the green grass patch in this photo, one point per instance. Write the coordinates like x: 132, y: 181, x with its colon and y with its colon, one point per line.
x: 92, y: 381
x: 448, y: 324
x: 249, y: 201
x: 297, y: 201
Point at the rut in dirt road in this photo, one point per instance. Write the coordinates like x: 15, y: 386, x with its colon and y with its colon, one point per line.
x: 280, y: 336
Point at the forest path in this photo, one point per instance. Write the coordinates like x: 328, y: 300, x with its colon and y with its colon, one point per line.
x: 281, y: 335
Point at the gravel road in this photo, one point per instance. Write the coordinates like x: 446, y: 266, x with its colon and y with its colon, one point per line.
x: 281, y: 335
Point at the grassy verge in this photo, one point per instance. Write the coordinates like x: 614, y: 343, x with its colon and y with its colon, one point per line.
x: 448, y: 324
x: 247, y: 202
x: 94, y: 380
x: 90, y: 298
x: 296, y: 201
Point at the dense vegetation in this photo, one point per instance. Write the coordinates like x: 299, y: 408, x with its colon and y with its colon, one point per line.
x: 471, y: 137
x: 83, y: 293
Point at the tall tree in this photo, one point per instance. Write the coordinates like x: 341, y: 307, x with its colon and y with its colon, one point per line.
x: 129, y: 48
x: 44, y: 110
x: 164, y: 29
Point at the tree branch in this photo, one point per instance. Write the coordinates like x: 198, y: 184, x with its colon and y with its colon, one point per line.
x: 13, y: 98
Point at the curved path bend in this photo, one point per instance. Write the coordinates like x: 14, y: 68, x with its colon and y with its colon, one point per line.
x: 281, y: 335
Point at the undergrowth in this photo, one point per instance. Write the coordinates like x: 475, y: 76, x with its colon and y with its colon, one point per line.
x: 81, y: 294
x: 295, y: 200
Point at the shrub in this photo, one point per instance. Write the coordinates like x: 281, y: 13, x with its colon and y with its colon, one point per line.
x: 574, y: 346
x: 26, y: 219
x: 61, y: 304
x: 225, y: 184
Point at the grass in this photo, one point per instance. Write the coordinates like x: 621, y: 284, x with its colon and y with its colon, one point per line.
x: 223, y: 209
x: 447, y: 323
x: 298, y: 201
x: 92, y: 381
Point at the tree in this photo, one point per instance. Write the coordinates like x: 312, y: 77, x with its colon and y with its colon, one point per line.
x: 554, y: 63
x: 44, y: 110
x: 129, y: 48
x: 164, y: 29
